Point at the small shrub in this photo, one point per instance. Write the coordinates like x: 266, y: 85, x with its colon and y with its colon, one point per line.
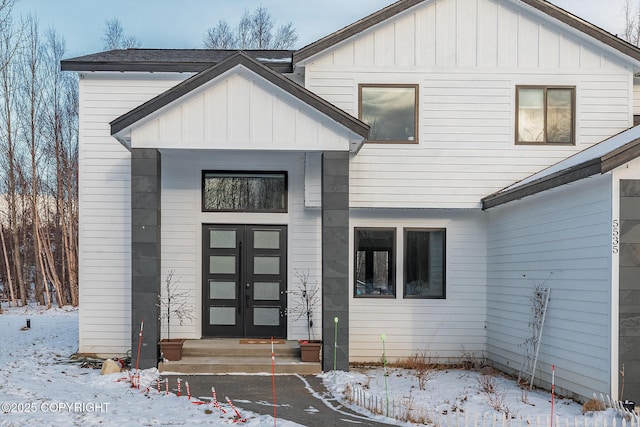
x: 487, y: 383
x: 593, y: 405
x: 423, y: 367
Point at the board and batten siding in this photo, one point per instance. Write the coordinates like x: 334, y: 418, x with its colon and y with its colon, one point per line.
x: 560, y: 238
x: 104, y: 253
x: 467, y: 58
x: 443, y: 330
x: 182, y: 220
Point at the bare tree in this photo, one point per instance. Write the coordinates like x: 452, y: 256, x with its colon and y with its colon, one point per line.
x: 286, y: 37
x: 254, y: 31
x: 115, y: 38
x: 220, y: 37
x: 10, y: 44
x: 631, y: 23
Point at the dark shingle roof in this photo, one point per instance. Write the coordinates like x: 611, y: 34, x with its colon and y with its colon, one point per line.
x: 171, y: 60
x: 240, y: 58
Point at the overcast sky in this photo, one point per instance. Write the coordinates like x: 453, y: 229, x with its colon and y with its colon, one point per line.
x: 182, y: 23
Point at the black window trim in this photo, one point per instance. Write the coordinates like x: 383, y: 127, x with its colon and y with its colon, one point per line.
x: 573, y: 115
x: 392, y: 274
x: 246, y: 172
x: 405, y: 230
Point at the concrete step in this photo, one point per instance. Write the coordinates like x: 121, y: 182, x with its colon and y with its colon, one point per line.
x: 239, y: 348
x: 232, y: 364
x: 225, y: 355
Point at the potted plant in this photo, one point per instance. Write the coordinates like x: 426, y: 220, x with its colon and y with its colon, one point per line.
x: 173, y: 304
x: 305, y: 302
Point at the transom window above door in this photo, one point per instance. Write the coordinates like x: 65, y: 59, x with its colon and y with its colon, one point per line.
x: 391, y: 111
x: 227, y: 191
x: 545, y: 115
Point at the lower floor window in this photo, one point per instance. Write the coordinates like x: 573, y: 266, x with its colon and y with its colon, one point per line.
x: 374, y: 263
x: 424, y: 263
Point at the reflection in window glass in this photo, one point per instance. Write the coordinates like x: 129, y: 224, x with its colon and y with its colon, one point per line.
x: 374, y: 262
x: 424, y: 255
x: 250, y: 192
x: 545, y: 115
x: 390, y: 111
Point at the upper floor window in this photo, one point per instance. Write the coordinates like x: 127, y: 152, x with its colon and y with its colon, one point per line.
x: 545, y: 115
x: 244, y: 191
x: 391, y: 111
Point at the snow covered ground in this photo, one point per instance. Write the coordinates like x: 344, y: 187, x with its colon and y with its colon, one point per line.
x: 39, y: 385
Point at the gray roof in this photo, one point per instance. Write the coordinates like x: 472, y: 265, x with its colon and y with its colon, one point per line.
x: 240, y: 58
x: 171, y: 60
x: 402, y: 5
x: 597, y: 159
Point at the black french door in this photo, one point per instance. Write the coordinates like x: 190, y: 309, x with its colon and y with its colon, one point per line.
x: 244, y: 280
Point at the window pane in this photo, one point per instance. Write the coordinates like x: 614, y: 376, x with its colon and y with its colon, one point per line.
x: 424, y: 263
x: 253, y: 192
x: 266, y: 239
x: 390, y: 112
x: 266, y: 316
x: 222, y: 239
x: 222, y: 316
x: 222, y: 264
x: 559, y: 115
x: 222, y: 289
x: 266, y: 265
x: 266, y: 291
x: 530, y: 115
x: 374, y: 262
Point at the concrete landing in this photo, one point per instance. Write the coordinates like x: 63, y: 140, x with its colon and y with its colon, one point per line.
x: 224, y: 356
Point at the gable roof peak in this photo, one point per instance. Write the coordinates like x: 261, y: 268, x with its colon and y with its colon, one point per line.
x: 400, y: 6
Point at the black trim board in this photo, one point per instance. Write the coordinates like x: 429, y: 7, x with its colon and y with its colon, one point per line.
x: 239, y: 58
x: 598, y: 165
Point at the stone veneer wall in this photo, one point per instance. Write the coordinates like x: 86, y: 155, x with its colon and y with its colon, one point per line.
x: 629, y: 334
x: 335, y: 258
x: 145, y: 254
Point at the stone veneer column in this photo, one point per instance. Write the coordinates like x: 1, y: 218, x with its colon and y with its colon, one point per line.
x: 145, y: 254
x: 629, y: 333
x: 335, y: 257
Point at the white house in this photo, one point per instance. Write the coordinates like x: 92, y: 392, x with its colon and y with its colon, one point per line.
x: 426, y: 165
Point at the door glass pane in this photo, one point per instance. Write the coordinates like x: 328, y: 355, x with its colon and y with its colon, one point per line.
x: 222, y: 315
x: 530, y: 115
x: 222, y: 239
x: 222, y: 290
x: 266, y: 265
x: 266, y: 316
x: 266, y: 291
x: 222, y: 264
x: 266, y: 239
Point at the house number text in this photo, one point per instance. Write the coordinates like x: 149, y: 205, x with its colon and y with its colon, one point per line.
x: 615, y: 236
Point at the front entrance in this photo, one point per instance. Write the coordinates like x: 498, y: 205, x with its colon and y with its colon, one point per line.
x: 244, y: 280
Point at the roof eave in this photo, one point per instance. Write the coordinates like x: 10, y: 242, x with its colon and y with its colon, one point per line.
x: 585, y: 27
x: 240, y: 58
x: 353, y: 29
x: 598, y: 165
